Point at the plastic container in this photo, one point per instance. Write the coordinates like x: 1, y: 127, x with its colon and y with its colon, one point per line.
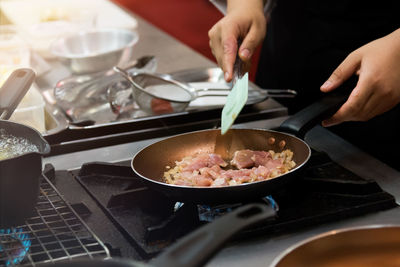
x: 31, y: 110
x: 14, y: 54
x: 14, y: 51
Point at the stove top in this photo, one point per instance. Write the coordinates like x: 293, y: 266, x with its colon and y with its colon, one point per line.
x: 54, y: 233
x: 323, y: 191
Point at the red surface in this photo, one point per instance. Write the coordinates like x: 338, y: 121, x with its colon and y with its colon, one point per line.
x: 186, y: 20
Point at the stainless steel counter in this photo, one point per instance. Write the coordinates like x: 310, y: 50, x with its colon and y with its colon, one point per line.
x: 171, y: 54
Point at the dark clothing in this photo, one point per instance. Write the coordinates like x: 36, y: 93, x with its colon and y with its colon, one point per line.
x: 306, y: 41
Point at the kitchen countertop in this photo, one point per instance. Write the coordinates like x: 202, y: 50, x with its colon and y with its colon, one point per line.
x: 171, y: 56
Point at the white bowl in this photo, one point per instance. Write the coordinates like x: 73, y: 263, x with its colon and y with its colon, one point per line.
x: 94, y: 51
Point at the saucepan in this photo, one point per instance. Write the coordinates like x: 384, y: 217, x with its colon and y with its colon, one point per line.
x: 197, y: 247
x: 157, y: 93
x: 150, y: 163
x: 367, y: 246
x: 22, y: 148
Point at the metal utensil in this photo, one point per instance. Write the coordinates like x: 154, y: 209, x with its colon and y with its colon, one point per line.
x: 83, y: 99
x: 13, y: 90
x: 160, y: 93
x: 216, y: 76
x: 95, y: 50
x: 82, y: 82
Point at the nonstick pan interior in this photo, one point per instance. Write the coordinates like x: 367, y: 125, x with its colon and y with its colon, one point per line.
x: 150, y: 163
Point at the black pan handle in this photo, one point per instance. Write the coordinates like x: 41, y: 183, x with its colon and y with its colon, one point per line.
x: 301, y: 122
x: 198, y: 247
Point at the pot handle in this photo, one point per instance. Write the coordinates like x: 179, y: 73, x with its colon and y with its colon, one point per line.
x: 198, y: 247
x: 13, y: 90
x: 301, y: 122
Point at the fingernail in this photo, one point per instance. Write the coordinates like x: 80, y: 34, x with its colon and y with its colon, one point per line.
x: 326, y: 85
x: 245, y: 53
x: 226, y: 76
x: 328, y: 123
x: 325, y: 123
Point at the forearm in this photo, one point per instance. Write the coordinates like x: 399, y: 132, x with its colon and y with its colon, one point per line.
x: 244, y: 5
x: 221, y: 5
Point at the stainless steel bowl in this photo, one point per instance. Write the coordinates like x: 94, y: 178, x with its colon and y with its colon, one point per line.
x: 96, y: 50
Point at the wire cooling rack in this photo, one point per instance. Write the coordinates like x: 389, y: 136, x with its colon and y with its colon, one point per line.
x: 55, y: 233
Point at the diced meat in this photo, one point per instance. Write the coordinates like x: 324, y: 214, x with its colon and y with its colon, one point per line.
x: 243, y: 159
x: 261, y: 158
x: 261, y: 172
x: 201, y: 161
x: 249, y: 158
x: 183, y: 182
x: 274, y: 164
x: 202, y: 181
x: 219, y: 182
x: 215, y: 159
x: 213, y: 172
x: 205, y: 169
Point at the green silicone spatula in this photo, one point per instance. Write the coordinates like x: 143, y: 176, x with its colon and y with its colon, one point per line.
x: 237, y: 97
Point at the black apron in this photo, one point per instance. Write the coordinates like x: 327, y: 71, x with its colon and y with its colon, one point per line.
x: 306, y: 41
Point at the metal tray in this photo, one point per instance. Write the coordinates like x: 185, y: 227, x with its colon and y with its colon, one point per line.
x: 65, y: 137
x: 57, y: 120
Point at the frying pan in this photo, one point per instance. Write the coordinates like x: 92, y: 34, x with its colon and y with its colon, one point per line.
x: 150, y: 163
x: 367, y: 246
x: 197, y: 247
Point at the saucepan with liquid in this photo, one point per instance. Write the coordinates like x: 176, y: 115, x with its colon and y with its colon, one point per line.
x: 21, y: 151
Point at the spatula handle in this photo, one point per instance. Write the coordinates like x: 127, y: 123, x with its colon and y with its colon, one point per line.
x: 238, y: 65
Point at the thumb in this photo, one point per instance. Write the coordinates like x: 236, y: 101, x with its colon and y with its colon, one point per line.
x: 344, y: 71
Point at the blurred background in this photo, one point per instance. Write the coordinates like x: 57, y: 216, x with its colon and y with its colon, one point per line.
x: 30, y: 28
